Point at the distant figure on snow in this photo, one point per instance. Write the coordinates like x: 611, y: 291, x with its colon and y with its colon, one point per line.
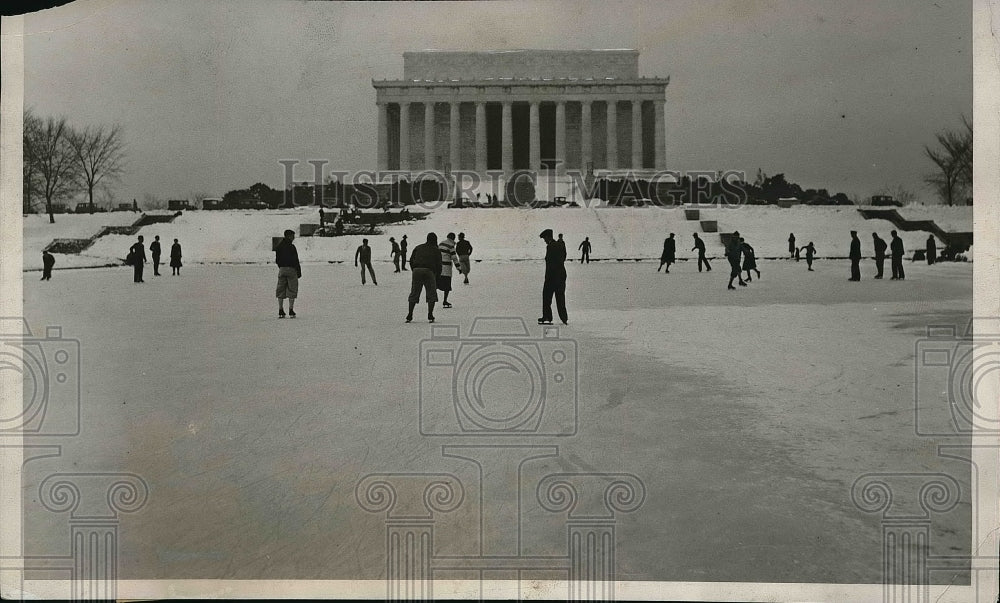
x: 555, y: 279
x: 749, y: 260
x: 700, y: 246
x: 669, y: 254
x: 138, y: 254
x: 289, y: 273
x: 855, y: 257
x: 464, y: 250
x: 48, y: 261
x: 154, y: 248
x: 584, y: 248
x: 364, y: 252
x: 175, y: 258
x: 448, y: 259
x: 810, y: 254
x: 395, y: 253
x: 880, y: 247
x: 402, y: 251
x: 896, y: 251
x: 426, y: 264
x: 322, y: 217
x: 793, y: 251
x: 931, y: 250
x: 733, y: 252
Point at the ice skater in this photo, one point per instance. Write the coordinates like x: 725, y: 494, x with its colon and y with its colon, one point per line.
x: 699, y: 245
x: 289, y: 273
x: 175, y: 259
x: 154, y: 249
x: 138, y: 254
x: 402, y: 251
x: 855, y: 257
x: 896, y: 251
x: 931, y: 250
x: 395, y: 253
x: 555, y: 279
x: 464, y: 250
x: 880, y: 247
x: 48, y: 261
x: 584, y: 249
x: 733, y: 252
x: 669, y: 254
x: 749, y: 260
x: 810, y: 254
x: 364, y: 252
x: 426, y: 266
x: 448, y: 259
x: 793, y: 251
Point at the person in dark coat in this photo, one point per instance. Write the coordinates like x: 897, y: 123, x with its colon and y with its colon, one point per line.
x: 733, y: 252
x: 810, y: 253
x: 749, y: 259
x: 365, y: 253
x: 138, y: 253
x: 793, y: 251
x: 880, y: 247
x: 669, y: 255
x: 154, y: 249
x: 896, y: 251
x: 426, y: 265
x: 289, y: 273
x: 175, y: 258
x: 395, y: 253
x: 322, y: 217
x: 555, y: 279
x: 48, y: 261
x: 464, y: 250
x: 855, y: 257
x: 700, y: 246
x: 402, y: 251
x: 931, y: 250
x: 585, y: 248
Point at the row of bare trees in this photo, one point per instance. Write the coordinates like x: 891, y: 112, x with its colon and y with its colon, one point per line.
x: 952, y: 157
x: 61, y: 162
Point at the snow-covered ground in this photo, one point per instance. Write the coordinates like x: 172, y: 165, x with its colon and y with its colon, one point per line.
x: 496, y: 234
x: 747, y: 414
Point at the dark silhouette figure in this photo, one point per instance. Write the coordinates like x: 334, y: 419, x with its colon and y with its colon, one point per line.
x: 286, y: 256
x: 402, y: 251
x: 880, y: 247
x: 896, y: 251
x: 322, y: 217
x: 700, y: 246
x: 810, y: 253
x: 138, y: 253
x: 793, y: 251
x: 584, y: 248
x: 48, y: 261
x: 555, y: 279
x: 364, y: 252
x: 669, y: 255
x: 426, y: 265
x: 733, y: 252
x: 931, y: 250
x: 395, y: 253
x: 855, y: 257
x: 175, y: 258
x: 464, y: 250
x: 749, y: 259
x: 154, y: 249
x: 135, y: 205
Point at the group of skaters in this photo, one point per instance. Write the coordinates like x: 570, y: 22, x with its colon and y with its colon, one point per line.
x: 137, y: 258
x: 740, y: 254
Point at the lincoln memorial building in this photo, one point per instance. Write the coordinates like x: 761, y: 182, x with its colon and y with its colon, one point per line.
x: 540, y: 110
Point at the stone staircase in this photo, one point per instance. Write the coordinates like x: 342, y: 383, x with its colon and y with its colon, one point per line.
x: 77, y: 246
x: 955, y: 242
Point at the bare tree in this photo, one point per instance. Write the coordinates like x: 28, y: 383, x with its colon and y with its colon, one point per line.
x: 953, y: 159
x: 100, y: 155
x: 54, y: 161
x: 31, y: 135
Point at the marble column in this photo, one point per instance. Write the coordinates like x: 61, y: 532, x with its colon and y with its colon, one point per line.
x: 428, y: 135
x: 404, y: 136
x: 480, y: 137
x: 535, y: 138
x: 612, y: 144
x: 561, y: 137
x: 507, y: 141
x: 661, y: 136
x: 636, y: 134
x: 383, y: 137
x: 454, y: 123
x: 586, y: 146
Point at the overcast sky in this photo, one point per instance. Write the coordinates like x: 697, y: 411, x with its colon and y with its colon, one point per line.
x: 212, y: 94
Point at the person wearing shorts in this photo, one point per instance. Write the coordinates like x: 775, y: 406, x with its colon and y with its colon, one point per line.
x: 425, y: 266
x: 289, y: 273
